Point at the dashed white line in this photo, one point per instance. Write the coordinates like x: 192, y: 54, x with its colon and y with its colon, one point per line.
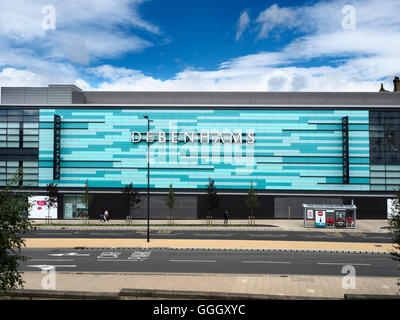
x: 52, y: 260
x: 283, y: 262
x: 49, y: 267
x: 75, y: 254
x: 121, y: 260
x: 345, y: 263
x: 192, y: 261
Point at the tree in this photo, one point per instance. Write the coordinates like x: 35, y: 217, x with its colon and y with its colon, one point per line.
x: 52, y: 196
x: 170, y: 199
x: 394, y: 227
x: 14, y: 222
x: 87, y: 198
x: 211, y: 196
x: 132, y: 197
x: 252, y: 199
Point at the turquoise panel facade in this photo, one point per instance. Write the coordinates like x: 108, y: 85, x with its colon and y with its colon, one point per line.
x: 293, y: 149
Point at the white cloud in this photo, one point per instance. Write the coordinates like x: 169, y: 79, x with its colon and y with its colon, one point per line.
x: 14, y: 77
x: 114, y: 73
x: 322, y: 57
x: 336, y: 59
x: 11, y: 77
x: 86, y: 31
x: 242, y: 24
x: 273, y: 17
x: 257, y: 79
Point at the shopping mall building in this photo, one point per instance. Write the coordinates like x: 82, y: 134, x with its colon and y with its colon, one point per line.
x: 293, y: 147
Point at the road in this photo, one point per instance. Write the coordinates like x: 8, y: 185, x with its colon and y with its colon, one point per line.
x: 208, y: 261
x: 218, y: 235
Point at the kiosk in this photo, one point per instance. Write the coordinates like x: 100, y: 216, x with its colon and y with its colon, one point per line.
x: 329, y: 215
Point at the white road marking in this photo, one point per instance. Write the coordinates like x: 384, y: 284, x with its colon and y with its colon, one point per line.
x: 70, y: 254
x: 269, y: 235
x: 317, y: 236
x: 54, y: 233
x: 53, y: 260
x: 139, y: 256
x: 50, y: 267
x: 192, y: 261
x: 120, y: 260
x: 212, y: 234
x: 345, y: 263
x: 109, y: 255
x: 284, y: 262
x: 106, y: 234
x: 134, y: 257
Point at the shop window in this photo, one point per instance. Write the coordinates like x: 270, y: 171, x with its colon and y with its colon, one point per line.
x: 74, y: 208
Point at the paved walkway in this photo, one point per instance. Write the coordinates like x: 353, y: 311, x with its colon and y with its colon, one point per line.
x: 379, y: 226
x: 209, y: 244
x: 292, y: 285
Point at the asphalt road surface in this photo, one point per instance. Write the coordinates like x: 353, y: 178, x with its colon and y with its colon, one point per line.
x: 208, y: 261
x: 216, y: 234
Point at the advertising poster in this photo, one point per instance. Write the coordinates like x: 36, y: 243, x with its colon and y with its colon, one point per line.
x: 39, y: 208
x: 320, y: 218
x: 310, y: 214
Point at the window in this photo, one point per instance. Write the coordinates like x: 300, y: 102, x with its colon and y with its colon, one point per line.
x: 74, y: 208
x: 19, y: 128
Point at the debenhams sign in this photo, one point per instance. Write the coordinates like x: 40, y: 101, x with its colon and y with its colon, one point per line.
x: 202, y: 137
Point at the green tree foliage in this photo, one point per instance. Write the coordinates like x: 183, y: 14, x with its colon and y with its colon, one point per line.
x: 52, y: 195
x: 87, y: 198
x: 14, y: 222
x: 211, y: 196
x: 170, y: 199
x: 252, y: 199
x: 132, y: 197
x: 394, y: 226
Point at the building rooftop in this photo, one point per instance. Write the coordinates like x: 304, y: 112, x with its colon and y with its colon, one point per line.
x: 330, y: 206
x: 72, y: 95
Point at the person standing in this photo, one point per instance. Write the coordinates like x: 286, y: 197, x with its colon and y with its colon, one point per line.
x: 106, y: 214
x: 226, y: 216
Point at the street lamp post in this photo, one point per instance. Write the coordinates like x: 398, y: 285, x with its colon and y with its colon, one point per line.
x: 148, y: 177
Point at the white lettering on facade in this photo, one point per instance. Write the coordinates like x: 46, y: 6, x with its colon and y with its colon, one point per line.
x: 191, y: 137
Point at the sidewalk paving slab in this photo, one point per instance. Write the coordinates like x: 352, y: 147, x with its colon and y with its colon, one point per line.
x: 284, y: 285
x: 372, y: 226
x: 268, y: 245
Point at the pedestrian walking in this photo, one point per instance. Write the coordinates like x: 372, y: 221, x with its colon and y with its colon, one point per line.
x: 106, y: 216
x: 226, y: 216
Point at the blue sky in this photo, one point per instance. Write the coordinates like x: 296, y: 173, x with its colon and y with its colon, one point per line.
x: 201, y: 45
x: 199, y: 34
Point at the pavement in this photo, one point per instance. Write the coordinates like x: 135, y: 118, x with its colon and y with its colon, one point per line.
x: 268, y: 245
x: 267, y: 284
x: 375, y: 226
x: 271, y: 284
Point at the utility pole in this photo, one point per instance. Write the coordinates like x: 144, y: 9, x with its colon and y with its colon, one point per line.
x: 148, y: 177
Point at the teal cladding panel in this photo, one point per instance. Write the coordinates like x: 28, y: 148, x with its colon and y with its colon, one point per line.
x: 293, y: 149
